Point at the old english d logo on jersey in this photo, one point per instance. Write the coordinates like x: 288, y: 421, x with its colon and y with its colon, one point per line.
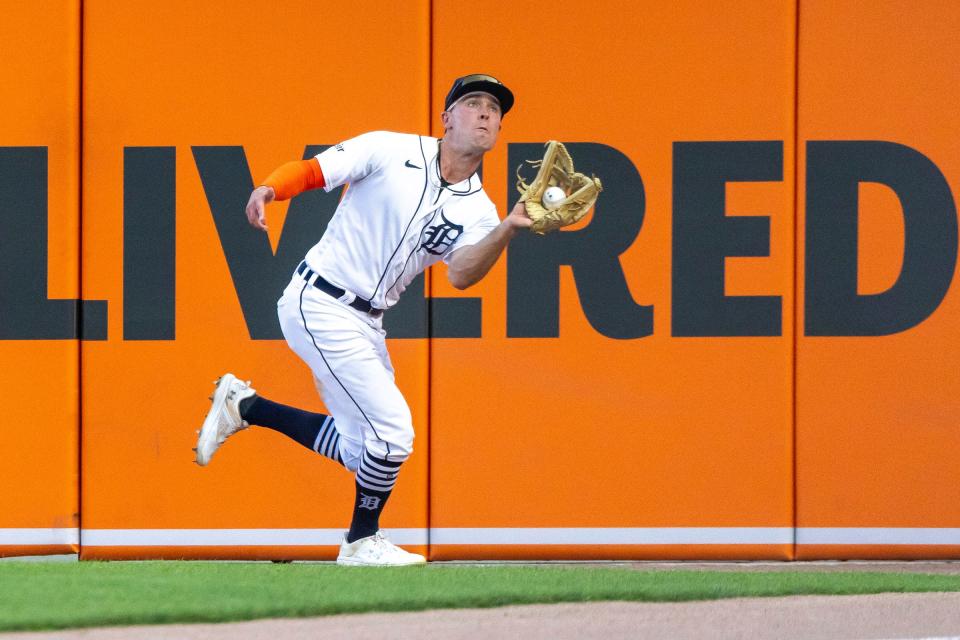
x: 440, y: 237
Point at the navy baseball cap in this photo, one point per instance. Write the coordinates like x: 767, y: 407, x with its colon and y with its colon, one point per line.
x: 480, y: 82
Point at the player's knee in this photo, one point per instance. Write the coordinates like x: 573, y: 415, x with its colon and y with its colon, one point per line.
x: 396, y: 447
x: 404, y: 444
x: 403, y: 448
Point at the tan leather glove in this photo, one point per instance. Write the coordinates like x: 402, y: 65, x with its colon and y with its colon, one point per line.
x: 556, y: 170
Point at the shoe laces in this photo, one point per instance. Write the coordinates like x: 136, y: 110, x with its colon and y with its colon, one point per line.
x: 382, y: 544
x: 237, y: 388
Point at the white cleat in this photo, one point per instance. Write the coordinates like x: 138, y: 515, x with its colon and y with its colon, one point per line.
x: 376, y: 551
x: 224, y: 419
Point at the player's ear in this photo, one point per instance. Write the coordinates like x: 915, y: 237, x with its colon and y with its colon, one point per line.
x: 444, y: 118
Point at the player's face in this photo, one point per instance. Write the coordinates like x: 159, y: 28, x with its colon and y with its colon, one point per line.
x: 474, y: 121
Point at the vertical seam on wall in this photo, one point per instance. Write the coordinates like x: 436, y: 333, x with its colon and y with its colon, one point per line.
x: 79, y: 307
x: 796, y: 256
x: 429, y: 289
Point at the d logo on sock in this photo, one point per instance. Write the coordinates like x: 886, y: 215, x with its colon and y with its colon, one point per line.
x: 369, y: 502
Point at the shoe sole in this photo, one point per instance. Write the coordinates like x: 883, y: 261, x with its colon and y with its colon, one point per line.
x: 209, y: 429
x: 350, y: 562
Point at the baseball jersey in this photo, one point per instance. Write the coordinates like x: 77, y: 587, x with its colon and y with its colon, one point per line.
x: 397, y: 217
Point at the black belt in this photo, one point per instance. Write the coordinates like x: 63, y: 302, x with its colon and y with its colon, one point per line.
x: 315, y: 279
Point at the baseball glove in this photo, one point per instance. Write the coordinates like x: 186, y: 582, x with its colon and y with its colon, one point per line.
x: 556, y: 170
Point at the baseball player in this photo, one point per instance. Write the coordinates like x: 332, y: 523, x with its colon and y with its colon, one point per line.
x: 412, y: 201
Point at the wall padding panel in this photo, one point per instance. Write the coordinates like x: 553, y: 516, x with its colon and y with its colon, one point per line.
x: 39, y: 277
x: 185, y: 106
x: 877, y: 377
x: 630, y: 394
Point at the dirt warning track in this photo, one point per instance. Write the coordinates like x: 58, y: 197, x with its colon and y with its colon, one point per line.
x: 887, y: 616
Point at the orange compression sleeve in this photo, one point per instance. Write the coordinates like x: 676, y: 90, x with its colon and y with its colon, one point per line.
x: 293, y: 178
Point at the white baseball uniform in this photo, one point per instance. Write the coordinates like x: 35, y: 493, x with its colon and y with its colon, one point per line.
x: 396, y: 219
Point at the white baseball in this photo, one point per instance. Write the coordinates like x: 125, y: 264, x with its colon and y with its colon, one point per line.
x: 552, y: 197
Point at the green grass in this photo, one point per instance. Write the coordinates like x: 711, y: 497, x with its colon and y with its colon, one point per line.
x: 37, y: 596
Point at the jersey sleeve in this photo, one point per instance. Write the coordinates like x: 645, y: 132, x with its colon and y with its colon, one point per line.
x: 352, y: 159
x: 482, y: 226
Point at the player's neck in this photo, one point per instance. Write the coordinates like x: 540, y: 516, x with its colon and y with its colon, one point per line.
x: 457, y: 165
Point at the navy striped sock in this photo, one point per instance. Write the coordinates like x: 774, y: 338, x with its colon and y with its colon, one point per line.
x: 375, y: 480
x: 377, y: 474
x: 315, y: 431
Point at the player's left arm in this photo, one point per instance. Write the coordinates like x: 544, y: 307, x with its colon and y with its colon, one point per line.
x: 468, y: 265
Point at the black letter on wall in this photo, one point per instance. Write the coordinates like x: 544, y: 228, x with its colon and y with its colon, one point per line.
x: 258, y: 275
x: 533, y: 262
x: 149, y: 243
x: 25, y: 311
x: 834, y: 171
x: 703, y: 236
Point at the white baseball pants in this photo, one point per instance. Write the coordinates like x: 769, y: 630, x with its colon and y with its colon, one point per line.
x: 347, y: 352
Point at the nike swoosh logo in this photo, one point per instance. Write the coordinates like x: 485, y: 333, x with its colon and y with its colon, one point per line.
x: 411, y: 165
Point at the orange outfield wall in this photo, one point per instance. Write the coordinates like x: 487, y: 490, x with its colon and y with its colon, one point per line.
x: 214, y: 97
x: 878, y: 416
x: 39, y: 276
x: 647, y: 384
x: 600, y: 439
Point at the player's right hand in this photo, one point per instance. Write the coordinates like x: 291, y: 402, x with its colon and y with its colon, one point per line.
x: 256, y: 205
